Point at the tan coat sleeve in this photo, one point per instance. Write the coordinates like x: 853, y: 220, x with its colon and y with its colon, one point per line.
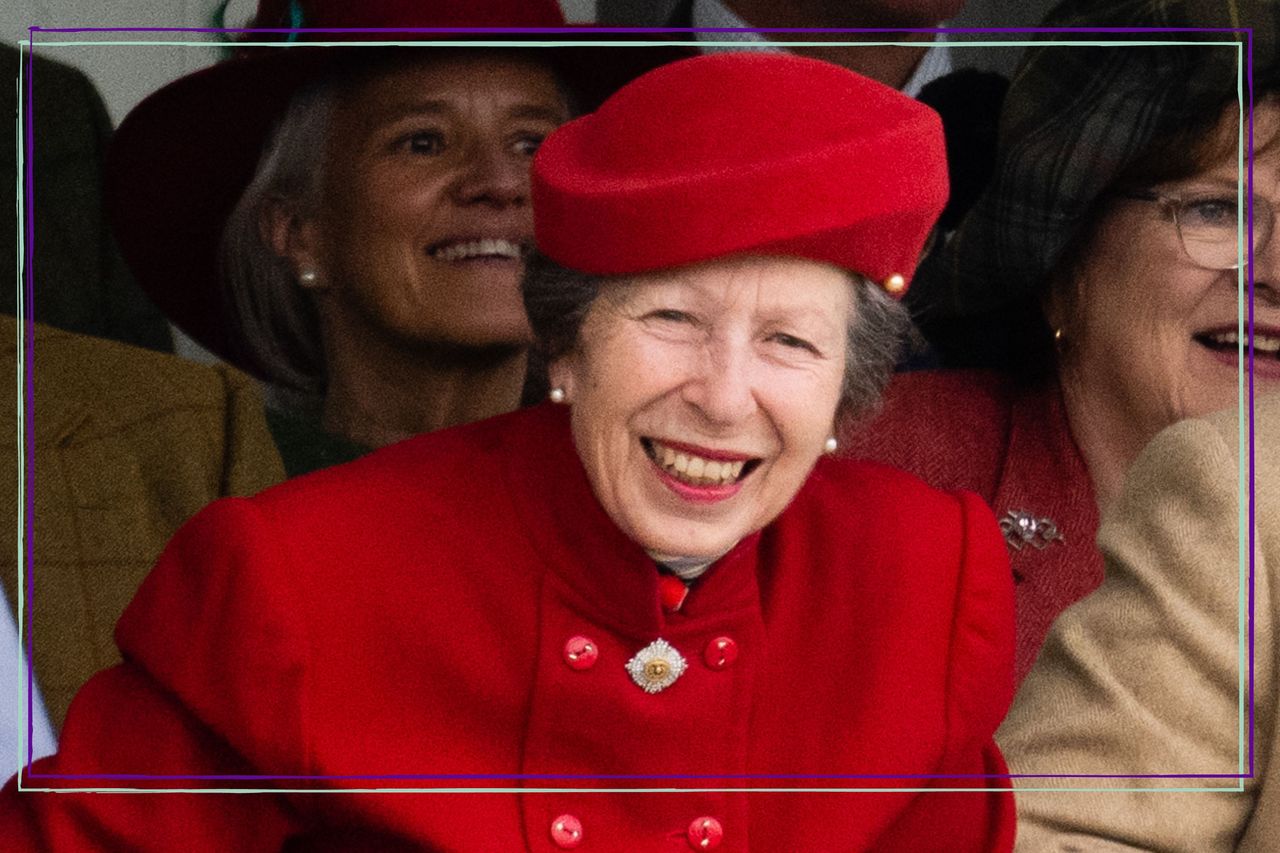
x: 1149, y: 674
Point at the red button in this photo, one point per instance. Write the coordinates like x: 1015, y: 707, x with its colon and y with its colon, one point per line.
x: 705, y: 833
x: 566, y: 832
x: 580, y: 652
x: 720, y: 652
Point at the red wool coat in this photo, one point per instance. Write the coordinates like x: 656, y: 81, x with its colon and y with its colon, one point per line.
x: 410, y: 615
x: 970, y: 429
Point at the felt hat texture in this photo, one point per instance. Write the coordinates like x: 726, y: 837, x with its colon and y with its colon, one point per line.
x: 735, y: 153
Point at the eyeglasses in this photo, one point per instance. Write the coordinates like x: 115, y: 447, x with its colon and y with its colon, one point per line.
x: 1209, y: 224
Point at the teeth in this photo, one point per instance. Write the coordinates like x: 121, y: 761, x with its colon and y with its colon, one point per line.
x: 1261, y: 343
x: 487, y: 248
x: 695, y: 470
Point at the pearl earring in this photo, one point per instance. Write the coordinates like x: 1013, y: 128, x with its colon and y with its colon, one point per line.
x: 831, y: 444
x: 557, y: 395
x: 308, y: 277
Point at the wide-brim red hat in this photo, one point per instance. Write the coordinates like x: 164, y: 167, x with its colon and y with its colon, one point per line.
x: 181, y: 159
x: 761, y: 153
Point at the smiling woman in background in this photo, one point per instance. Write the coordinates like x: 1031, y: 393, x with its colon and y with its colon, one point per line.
x: 351, y: 225
x: 658, y: 582
x: 1101, y: 274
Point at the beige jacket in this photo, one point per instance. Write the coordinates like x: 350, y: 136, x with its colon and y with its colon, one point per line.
x: 127, y: 445
x: 1144, y: 676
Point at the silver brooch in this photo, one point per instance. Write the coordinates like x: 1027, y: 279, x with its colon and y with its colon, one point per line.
x: 656, y: 667
x: 1021, y: 528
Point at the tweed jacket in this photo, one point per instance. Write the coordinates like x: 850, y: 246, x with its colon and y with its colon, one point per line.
x: 1149, y: 674
x: 456, y: 611
x: 962, y: 429
x: 126, y: 445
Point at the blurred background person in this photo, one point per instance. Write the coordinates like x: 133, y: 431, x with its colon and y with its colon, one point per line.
x: 351, y: 225
x: 1098, y: 280
x: 1148, y: 674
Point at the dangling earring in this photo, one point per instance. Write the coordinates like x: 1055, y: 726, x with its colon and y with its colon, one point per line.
x: 556, y: 395
x: 831, y: 444
x: 308, y: 277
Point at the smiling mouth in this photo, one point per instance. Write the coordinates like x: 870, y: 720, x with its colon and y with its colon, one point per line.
x: 486, y: 249
x: 691, y: 469
x: 1228, y: 342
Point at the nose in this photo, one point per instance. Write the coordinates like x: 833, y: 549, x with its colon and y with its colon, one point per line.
x: 722, y: 386
x: 493, y: 175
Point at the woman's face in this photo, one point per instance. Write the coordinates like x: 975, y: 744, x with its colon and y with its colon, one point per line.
x: 701, y: 397
x: 424, y: 217
x: 1153, y: 334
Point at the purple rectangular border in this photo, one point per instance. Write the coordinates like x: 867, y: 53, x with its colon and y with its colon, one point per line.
x: 29, y: 391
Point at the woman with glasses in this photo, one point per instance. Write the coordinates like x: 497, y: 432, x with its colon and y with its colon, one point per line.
x: 1098, y: 282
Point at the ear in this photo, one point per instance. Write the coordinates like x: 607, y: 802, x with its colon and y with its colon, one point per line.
x: 563, y: 374
x: 291, y: 235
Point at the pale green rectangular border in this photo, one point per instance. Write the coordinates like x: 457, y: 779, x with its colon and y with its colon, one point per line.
x: 1242, y: 407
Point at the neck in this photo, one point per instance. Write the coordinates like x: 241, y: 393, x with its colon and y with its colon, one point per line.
x: 1105, y: 432
x: 378, y: 395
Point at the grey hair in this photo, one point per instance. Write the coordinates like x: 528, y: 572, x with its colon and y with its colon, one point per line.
x: 879, y: 328
x: 273, y: 322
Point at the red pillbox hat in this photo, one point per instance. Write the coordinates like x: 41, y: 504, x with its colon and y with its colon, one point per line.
x: 743, y: 153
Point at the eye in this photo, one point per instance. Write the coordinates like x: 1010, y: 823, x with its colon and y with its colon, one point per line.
x: 426, y: 142
x: 528, y: 144
x: 669, y: 315
x: 792, y: 342
x: 1208, y: 212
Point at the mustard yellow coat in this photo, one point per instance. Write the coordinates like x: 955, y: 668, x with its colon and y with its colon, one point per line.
x: 128, y: 444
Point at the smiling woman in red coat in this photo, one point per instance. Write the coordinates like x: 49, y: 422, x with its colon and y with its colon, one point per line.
x: 628, y: 610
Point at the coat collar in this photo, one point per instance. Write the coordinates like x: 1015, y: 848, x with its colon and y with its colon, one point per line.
x: 604, y: 572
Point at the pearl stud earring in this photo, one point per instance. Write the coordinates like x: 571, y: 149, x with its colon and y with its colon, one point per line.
x: 556, y: 395
x: 831, y: 444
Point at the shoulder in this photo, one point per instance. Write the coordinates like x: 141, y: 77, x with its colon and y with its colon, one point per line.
x: 456, y: 473
x: 123, y: 382
x: 978, y: 396
x: 896, y: 515
x: 941, y: 552
x: 949, y: 426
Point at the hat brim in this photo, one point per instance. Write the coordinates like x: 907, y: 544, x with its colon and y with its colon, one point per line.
x: 181, y: 159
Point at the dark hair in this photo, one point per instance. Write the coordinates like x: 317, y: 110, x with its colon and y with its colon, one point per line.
x: 557, y: 300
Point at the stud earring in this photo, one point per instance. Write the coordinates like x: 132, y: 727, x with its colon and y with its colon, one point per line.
x: 895, y: 284
x: 831, y: 444
x: 308, y: 277
x: 556, y: 395
x: 1058, y: 337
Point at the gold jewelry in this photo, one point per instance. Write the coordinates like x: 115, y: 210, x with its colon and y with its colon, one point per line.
x: 895, y: 284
